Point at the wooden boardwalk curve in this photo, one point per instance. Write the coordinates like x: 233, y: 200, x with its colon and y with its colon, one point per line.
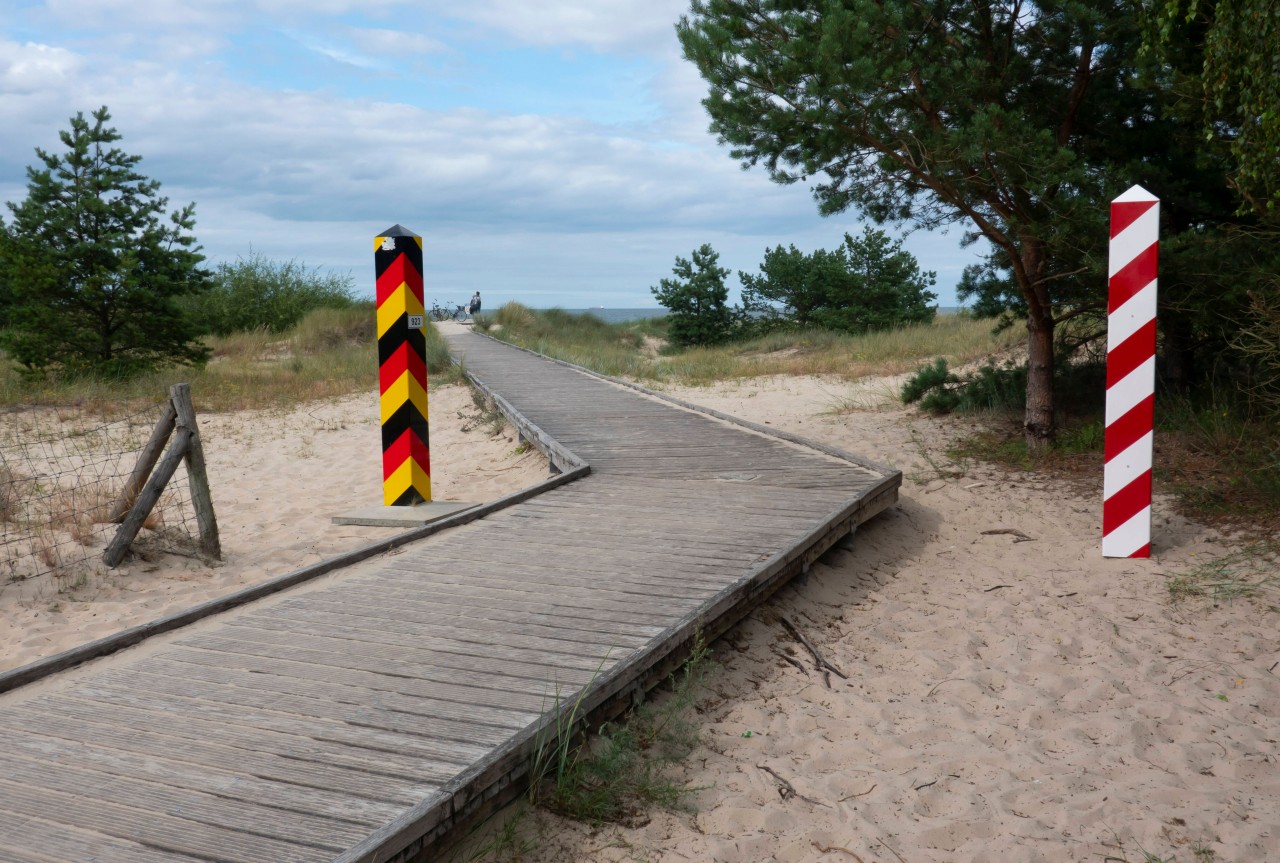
x: 361, y: 714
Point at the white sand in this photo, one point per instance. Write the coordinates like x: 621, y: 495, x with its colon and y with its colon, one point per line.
x: 1006, y: 701
x: 277, y: 478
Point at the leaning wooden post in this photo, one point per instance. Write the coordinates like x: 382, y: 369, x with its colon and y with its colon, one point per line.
x: 146, y: 462
x: 402, y: 368
x: 197, y: 477
x: 1131, y: 370
x: 148, y: 497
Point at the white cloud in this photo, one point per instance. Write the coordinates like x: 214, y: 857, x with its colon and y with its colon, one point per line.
x: 35, y: 68
x: 394, y: 43
x: 603, y: 25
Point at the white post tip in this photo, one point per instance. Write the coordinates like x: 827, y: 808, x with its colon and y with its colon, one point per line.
x: 1133, y: 194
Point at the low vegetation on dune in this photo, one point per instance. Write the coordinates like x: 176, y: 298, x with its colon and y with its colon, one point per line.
x: 329, y: 352
x: 641, y: 350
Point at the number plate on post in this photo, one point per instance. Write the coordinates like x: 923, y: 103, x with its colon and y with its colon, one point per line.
x: 417, y: 322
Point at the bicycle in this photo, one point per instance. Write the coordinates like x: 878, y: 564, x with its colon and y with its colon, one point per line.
x: 461, y: 313
x: 438, y: 312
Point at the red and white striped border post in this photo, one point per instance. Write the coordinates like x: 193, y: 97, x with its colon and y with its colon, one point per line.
x: 1131, y: 375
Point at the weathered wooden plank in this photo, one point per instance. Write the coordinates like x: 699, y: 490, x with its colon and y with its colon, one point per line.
x: 609, y: 572
x: 152, y: 796
x: 75, y: 721
x: 653, y: 572
x: 526, y: 664
x: 380, y: 661
x: 154, y: 829
x: 222, y: 783
x: 407, y: 624
x: 324, y: 741
x: 652, y: 565
x: 474, y: 649
x: 445, y: 721
x: 411, y: 586
x: 638, y: 569
x: 670, y: 536
x: 731, y: 505
x: 262, y: 663
x: 431, y: 613
x: 687, y: 526
x: 567, y: 591
x: 50, y: 841
x: 504, y: 715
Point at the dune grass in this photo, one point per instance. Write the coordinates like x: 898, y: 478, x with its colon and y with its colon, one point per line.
x: 330, y: 352
x: 1250, y: 571
x: 584, y: 339
x: 637, y: 349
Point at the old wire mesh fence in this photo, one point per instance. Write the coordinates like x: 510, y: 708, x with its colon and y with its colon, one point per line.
x: 70, y: 473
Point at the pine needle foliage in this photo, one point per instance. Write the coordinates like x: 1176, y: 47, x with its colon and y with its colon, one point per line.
x: 92, y: 268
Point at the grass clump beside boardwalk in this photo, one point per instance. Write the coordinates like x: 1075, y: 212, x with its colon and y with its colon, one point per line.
x: 330, y: 352
x: 623, y: 771
x: 637, y: 350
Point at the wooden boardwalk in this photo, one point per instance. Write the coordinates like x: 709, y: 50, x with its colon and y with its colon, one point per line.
x: 361, y: 714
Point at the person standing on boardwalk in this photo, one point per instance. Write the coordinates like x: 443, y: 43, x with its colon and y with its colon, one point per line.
x: 474, y: 306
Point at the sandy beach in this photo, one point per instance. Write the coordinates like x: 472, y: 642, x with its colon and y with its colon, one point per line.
x: 1011, y: 695
x: 1007, y: 699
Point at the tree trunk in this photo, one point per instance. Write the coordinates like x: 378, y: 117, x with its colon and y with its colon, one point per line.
x: 1038, y: 422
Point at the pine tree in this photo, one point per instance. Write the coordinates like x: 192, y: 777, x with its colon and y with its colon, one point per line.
x: 91, y: 266
x: 1008, y: 118
x: 869, y: 283
x: 697, y: 300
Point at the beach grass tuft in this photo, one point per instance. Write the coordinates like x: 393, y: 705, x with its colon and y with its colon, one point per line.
x: 1250, y: 571
x: 624, y: 769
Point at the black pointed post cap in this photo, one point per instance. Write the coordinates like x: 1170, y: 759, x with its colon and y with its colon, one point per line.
x: 397, y: 231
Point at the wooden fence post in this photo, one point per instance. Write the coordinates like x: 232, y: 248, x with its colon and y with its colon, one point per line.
x: 146, y: 463
x: 178, y: 425
x: 197, y: 478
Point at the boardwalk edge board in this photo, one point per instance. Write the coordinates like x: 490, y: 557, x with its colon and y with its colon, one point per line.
x: 572, y: 468
x: 559, y: 455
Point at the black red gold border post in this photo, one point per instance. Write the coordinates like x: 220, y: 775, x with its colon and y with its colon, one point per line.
x: 402, y: 368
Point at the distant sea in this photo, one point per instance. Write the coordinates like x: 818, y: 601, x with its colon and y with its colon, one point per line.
x: 615, y: 316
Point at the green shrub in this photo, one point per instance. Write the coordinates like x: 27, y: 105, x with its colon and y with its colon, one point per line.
x: 1081, y: 388
x: 258, y: 293
x: 935, y: 387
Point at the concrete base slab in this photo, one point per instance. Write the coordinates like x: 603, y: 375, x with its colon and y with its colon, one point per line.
x: 403, y: 516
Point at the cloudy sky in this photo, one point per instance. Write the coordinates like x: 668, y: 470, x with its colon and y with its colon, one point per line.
x: 555, y: 153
